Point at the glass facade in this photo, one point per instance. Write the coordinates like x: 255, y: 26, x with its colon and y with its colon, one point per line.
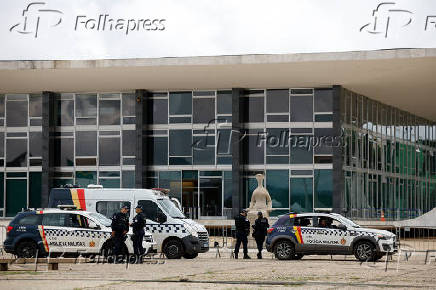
x: 386, y: 156
x: 388, y: 160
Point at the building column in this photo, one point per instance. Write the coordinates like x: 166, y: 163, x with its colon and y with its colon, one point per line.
x: 237, y: 193
x: 48, y: 128
x: 141, y: 146
x: 338, y: 172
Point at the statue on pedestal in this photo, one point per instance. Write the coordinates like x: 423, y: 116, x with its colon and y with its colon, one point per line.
x: 260, y: 201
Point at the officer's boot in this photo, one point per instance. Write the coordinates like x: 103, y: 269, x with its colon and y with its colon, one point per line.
x: 236, y: 255
x: 246, y: 256
x: 259, y: 255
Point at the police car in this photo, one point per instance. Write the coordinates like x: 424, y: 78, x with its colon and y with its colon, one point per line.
x: 296, y: 235
x: 64, y: 231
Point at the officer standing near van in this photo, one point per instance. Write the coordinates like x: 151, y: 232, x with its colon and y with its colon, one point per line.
x: 242, y: 231
x: 138, y: 225
x: 120, y: 227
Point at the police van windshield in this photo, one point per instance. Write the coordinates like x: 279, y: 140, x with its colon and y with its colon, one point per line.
x: 101, y: 219
x: 347, y: 221
x: 171, y: 209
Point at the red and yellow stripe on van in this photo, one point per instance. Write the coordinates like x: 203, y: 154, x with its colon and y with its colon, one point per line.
x: 78, y: 197
x: 43, y: 238
x: 298, y: 235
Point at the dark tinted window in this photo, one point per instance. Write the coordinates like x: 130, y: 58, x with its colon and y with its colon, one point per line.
x: 54, y: 219
x: 129, y: 101
x: 323, y: 101
x: 109, y: 151
x: 109, y: 112
x: 253, y: 109
x: 16, y: 115
x: 181, y: 103
x: 16, y: 152
x: 151, y: 209
x: 301, y: 109
x: 303, y: 221
x: 204, y: 110
x: 277, y: 101
x: 35, y: 106
x: 33, y: 219
x: 157, y: 111
x: 86, y: 143
x: 129, y: 142
x: 35, y: 147
x: 224, y: 102
x: 180, y: 143
x: 65, y: 113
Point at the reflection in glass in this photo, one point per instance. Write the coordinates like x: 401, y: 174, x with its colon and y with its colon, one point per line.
x: 16, y: 152
x: 109, y: 112
x: 301, y: 194
x: 64, y: 151
x: 64, y: 113
x: 129, y: 142
x: 277, y: 182
x: 35, y: 106
x: 181, y: 103
x: 86, y: 105
x: 86, y: 143
x: 129, y: 103
x: 109, y: 151
x: 35, y: 147
x: 16, y: 115
x: 204, y: 110
x: 180, y: 142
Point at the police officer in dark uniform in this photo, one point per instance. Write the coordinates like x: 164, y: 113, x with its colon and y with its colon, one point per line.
x: 260, y: 230
x: 120, y: 227
x: 242, y: 231
x: 138, y: 225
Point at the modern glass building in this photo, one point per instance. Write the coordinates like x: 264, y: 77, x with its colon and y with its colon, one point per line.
x: 325, y: 148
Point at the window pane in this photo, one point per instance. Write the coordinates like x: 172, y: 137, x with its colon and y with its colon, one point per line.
x: 223, y: 142
x: 129, y: 102
x: 16, y: 196
x: 180, y: 143
x: 86, y: 143
x: 278, y: 187
x: 204, y: 110
x: 253, y: 109
x: 326, y: 140
x: 64, y: 113
x: 277, y: 141
x: 301, y: 149
x: 323, y: 188
x: 109, y: 151
x: 110, y: 183
x: 2, y: 146
x: 277, y: 101
x: 323, y: 100
x: 228, y: 189
x: 109, y: 112
x: 35, y: 146
x: 35, y: 107
x: 2, y: 106
x: 16, y: 114
x: 204, y: 150
x: 84, y: 178
x: 301, y: 195
x: 16, y: 152
x: 35, y: 189
x: 157, y: 111
x: 224, y: 102
x: 129, y: 143
x: 86, y: 105
x: 210, y: 196
x: 128, y: 179
x: 64, y: 152
x: 172, y: 181
x: 181, y: 103
x: 301, y: 109
x: 157, y: 150
x: 109, y: 208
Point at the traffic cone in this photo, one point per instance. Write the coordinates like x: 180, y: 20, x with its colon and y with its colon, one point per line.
x: 382, y: 217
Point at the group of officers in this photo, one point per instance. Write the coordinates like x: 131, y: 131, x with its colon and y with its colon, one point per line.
x: 120, y: 228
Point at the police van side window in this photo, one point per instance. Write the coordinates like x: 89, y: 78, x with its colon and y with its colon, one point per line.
x: 109, y: 208
x: 151, y: 210
x: 30, y: 220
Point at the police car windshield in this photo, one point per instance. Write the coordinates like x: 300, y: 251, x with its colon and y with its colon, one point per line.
x: 347, y: 222
x: 171, y: 209
x: 101, y: 219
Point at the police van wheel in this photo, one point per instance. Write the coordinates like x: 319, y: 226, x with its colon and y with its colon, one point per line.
x: 27, y: 249
x: 364, y: 251
x: 284, y: 250
x: 173, y: 249
x: 190, y: 256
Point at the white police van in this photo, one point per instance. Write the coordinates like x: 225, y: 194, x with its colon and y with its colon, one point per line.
x: 66, y: 231
x: 175, y: 235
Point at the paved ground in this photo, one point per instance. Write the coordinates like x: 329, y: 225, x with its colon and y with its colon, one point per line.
x: 206, y: 272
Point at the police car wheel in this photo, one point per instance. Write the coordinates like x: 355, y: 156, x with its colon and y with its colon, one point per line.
x: 284, y: 250
x: 364, y: 251
x: 173, y: 249
x: 27, y: 249
x: 190, y: 256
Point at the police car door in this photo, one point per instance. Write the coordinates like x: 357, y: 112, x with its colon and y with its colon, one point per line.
x: 56, y: 235
x: 156, y: 220
x: 326, y: 237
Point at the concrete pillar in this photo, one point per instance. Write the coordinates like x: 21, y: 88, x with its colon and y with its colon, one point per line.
x: 338, y: 173
x: 237, y: 193
x: 141, y: 128
x: 48, y: 128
